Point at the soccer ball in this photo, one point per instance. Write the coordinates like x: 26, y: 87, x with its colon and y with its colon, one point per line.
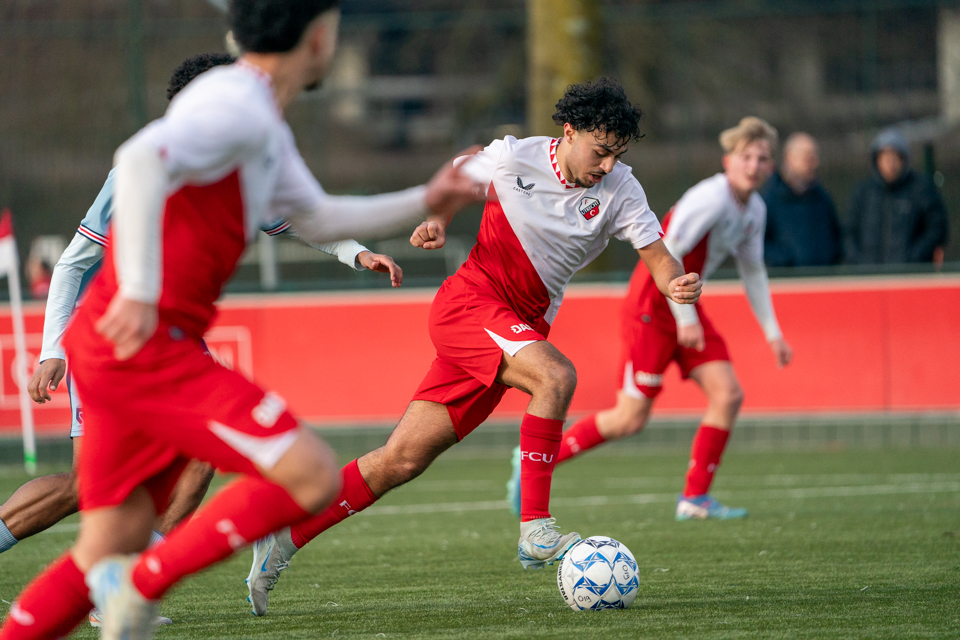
x: 598, y: 573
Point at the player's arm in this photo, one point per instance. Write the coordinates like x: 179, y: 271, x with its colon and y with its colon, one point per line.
x: 328, y: 218
x: 677, y: 286
x: 753, y: 272
x: 479, y: 166
x: 355, y: 255
x: 693, y: 217
x: 81, y: 254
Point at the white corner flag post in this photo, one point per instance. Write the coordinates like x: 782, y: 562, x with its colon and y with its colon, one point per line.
x: 10, y: 267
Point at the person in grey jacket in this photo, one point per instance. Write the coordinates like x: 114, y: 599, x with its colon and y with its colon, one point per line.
x: 896, y: 215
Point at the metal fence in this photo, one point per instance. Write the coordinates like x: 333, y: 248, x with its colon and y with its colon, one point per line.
x: 416, y: 80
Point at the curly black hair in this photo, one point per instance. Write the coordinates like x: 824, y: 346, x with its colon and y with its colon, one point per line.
x: 273, y: 26
x: 600, y: 106
x: 194, y: 66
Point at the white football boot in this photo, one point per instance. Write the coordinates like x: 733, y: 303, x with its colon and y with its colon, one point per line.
x: 541, y: 543
x: 124, y: 613
x: 271, y: 555
x: 96, y: 619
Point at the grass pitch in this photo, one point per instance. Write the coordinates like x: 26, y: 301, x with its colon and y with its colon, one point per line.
x: 837, y: 545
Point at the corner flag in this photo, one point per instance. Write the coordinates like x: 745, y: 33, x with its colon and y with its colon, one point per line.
x: 10, y: 267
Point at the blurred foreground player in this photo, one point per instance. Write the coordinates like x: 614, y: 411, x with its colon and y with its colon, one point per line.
x: 718, y: 217
x: 191, y: 189
x: 553, y: 206
x: 45, y: 501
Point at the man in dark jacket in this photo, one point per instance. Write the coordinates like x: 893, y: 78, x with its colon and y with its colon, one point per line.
x: 802, y: 227
x: 896, y: 215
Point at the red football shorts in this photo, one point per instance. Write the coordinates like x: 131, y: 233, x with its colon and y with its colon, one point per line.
x: 650, y: 346
x: 471, y: 329
x: 147, y: 416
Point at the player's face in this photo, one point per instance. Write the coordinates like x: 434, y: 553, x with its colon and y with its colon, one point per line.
x: 590, y: 156
x: 748, y: 166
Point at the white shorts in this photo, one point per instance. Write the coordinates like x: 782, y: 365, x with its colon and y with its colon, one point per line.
x: 76, y: 410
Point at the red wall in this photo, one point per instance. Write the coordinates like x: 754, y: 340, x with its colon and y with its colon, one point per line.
x: 861, y: 344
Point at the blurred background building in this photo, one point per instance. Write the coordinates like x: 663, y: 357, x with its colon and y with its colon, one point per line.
x: 417, y: 80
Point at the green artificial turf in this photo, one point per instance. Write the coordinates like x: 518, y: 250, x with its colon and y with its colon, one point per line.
x: 849, y: 544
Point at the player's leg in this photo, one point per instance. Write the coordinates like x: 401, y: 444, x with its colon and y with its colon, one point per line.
x: 648, y: 350
x: 57, y: 600
x: 187, y: 495
x: 628, y: 417
x: 724, y: 397
x: 540, y: 370
x: 423, y: 433
x: 39, y: 504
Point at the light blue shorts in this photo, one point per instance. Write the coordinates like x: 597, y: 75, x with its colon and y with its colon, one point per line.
x: 76, y: 410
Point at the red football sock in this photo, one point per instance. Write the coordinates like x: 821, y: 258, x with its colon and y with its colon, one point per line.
x: 354, y: 496
x: 51, y: 606
x: 705, y: 454
x: 581, y: 437
x: 238, y: 515
x: 539, y: 445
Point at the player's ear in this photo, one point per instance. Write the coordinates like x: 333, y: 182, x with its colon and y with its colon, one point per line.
x: 569, y: 132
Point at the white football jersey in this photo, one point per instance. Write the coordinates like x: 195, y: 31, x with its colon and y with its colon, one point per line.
x: 709, y: 224
x: 538, y: 230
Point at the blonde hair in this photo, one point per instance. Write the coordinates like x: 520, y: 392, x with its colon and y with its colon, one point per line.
x: 749, y: 130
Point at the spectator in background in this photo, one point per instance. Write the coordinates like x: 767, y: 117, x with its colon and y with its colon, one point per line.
x: 896, y: 215
x: 39, y: 274
x: 802, y: 227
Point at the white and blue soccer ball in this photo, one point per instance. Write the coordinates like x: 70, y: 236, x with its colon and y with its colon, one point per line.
x: 598, y: 573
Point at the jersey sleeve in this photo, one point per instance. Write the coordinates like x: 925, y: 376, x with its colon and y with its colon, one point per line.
x: 482, y: 165
x: 693, y: 217
x: 753, y: 272
x: 203, y: 136
x: 318, y: 217
x: 346, y: 251
x: 634, y: 222
x: 81, y: 254
x: 96, y: 223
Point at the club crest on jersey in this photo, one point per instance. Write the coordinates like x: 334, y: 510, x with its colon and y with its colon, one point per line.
x: 588, y: 207
x: 525, y: 189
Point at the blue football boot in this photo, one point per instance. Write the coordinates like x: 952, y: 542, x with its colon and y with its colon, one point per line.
x: 703, y: 507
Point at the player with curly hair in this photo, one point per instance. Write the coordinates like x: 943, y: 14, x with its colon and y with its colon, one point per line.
x: 719, y: 217
x: 553, y: 205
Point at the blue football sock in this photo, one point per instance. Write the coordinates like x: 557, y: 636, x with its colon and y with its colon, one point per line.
x: 6, y: 538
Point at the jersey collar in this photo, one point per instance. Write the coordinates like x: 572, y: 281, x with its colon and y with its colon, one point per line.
x: 556, y: 166
x: 265, y: 79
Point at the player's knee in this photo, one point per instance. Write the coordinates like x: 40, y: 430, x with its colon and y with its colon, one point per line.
x: 323, y: 488
x: 730, y: 397
x: 631, y: 423
x: 560, y: 379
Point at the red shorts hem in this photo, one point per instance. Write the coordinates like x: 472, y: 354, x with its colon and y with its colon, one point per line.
x: 649, y: 349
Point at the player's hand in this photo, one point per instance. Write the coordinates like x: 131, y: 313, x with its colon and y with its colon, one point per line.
x: 782, y: 351
x: 128, y: 324
x: 685, y: 289
x: 450, y: 189
x: 431, y: 234
x: 383, y: 264
x: 46, y: 378
x: 691, y: 337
